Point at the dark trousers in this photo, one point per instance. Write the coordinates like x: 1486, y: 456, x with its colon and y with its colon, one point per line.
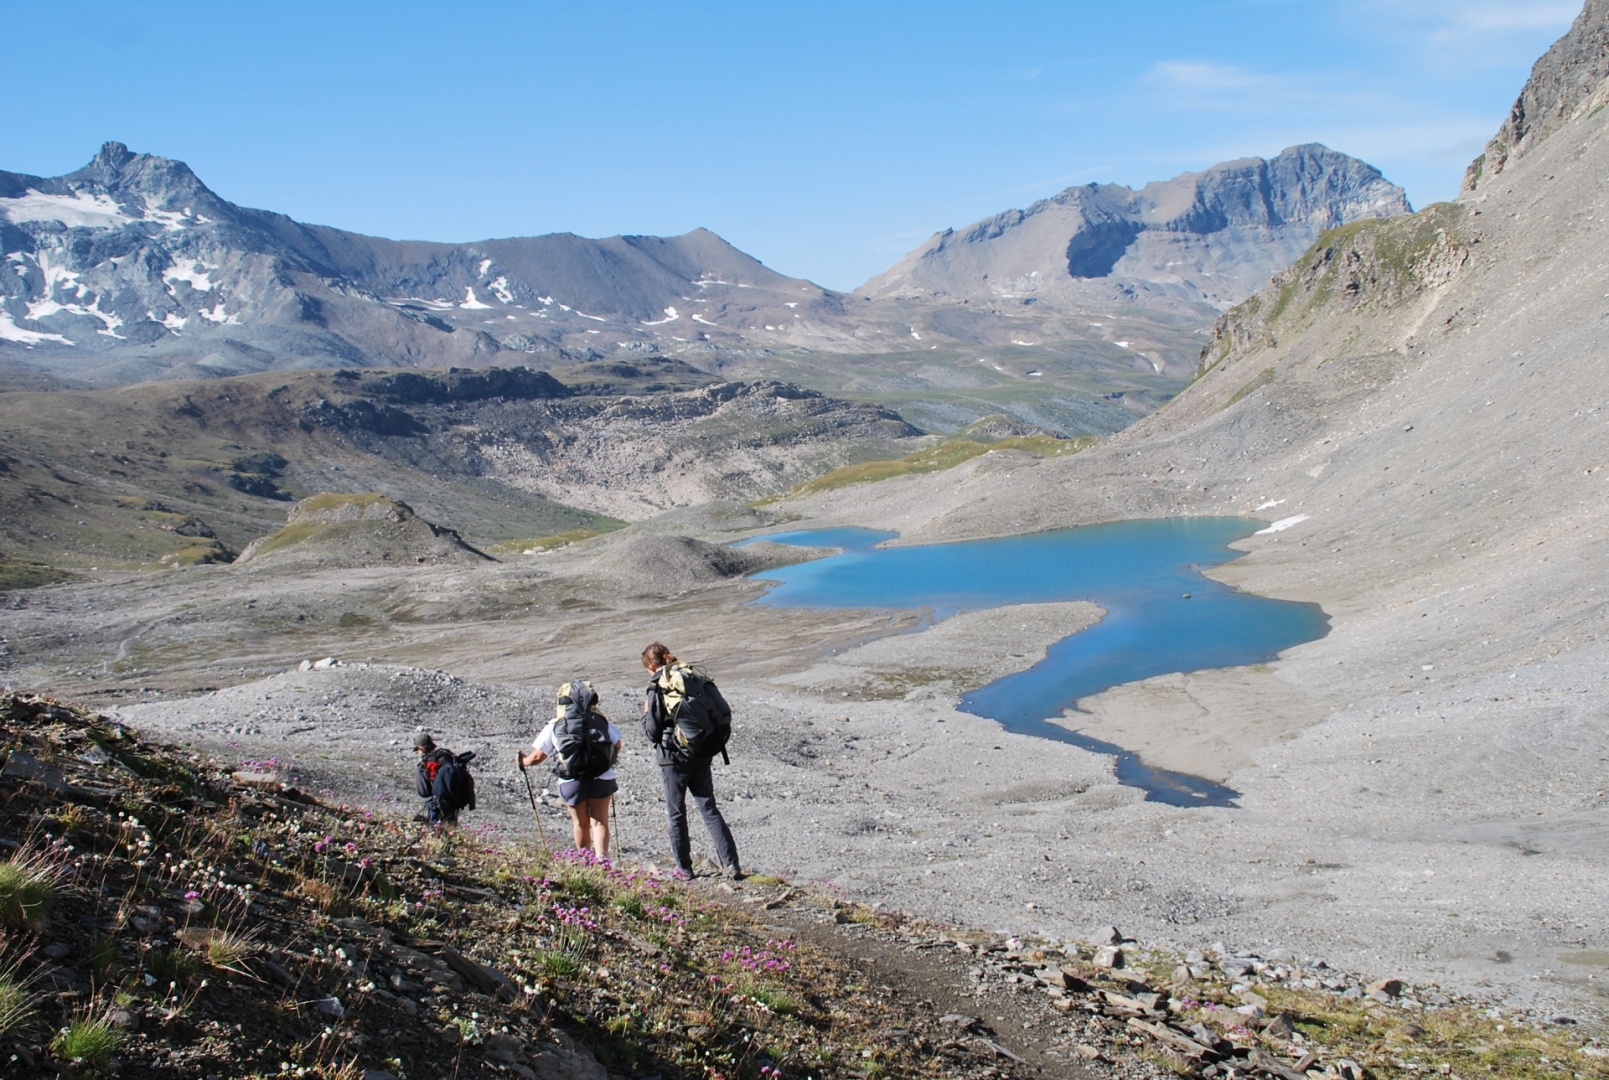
x: 695, y: 779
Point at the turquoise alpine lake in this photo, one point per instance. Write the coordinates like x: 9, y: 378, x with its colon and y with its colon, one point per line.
x: 1162, y: 614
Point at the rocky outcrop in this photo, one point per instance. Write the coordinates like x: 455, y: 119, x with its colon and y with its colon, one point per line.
x: 336, y: 529
x: 1567, y: 81
x: 1368, y: 266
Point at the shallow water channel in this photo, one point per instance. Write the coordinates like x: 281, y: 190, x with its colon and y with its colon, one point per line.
x: 1162, y: 615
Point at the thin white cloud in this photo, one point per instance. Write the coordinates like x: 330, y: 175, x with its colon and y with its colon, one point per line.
x: 1470, y: 27
x: 1207, y: 75
x: 1464, y: 20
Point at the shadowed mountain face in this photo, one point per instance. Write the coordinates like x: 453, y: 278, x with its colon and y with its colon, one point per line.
x: 131, y: 269
x: 1211, y: 238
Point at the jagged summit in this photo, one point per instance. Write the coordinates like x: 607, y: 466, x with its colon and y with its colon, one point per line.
x: 1213, y: 236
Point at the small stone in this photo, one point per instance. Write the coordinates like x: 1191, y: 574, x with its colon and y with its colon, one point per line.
x: 1389, y: 987
x: 1087, y: 1052
x: 123, y: 1018
x: 1247, y: 997
x: 1182, y: 976
x: 958, y: 1020
x: 1109, y: 956
x: 1280, y: 1028
x: 331, y: 1008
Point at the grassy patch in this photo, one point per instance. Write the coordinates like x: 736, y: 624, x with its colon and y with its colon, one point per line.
x: 557, y: 540
x: 198, y: 552
x: 17, y: 1005
x: 87, y: 1042
x: 334, y: 500
x: 24, y: 574
x: 172, y: 967
x: 946, y: 455
x: 28, y: 885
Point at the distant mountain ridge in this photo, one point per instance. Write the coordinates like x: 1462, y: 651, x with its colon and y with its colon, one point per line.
x: 131, y: 268
x: 1076, y: 315
x: 1215, y: 236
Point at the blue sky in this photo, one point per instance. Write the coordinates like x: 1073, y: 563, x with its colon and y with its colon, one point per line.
x: 825, y: 139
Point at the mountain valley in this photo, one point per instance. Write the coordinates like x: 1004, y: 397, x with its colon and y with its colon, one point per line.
x: 1412, y: 408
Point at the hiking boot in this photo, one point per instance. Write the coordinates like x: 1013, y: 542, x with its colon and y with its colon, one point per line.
x: 732, y: 873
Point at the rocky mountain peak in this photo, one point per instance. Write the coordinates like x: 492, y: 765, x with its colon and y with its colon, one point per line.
x: 1568, y: 80
x: 1211, y: 237
x: 151, y: 182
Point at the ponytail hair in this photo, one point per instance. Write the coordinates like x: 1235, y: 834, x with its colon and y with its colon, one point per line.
x: 657, y: 656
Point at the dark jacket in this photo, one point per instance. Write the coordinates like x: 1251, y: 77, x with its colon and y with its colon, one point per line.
x: 425, y: 776
x: 656, y: 722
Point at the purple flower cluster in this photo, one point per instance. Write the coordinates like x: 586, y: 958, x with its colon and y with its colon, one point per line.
x: 763, y: 961
x: 578, y: 917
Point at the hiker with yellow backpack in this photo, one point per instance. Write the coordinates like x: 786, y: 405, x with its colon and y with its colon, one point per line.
x: 688, y: 721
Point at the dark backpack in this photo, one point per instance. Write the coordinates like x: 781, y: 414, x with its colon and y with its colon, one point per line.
x: 454, y: 787
x: 582, y: 749
x: 700, y: 718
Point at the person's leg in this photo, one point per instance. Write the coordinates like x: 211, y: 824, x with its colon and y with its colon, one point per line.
x: 681, y: 844
x: 598, y: 811
x: 580, y: 826
x: 701, y: 784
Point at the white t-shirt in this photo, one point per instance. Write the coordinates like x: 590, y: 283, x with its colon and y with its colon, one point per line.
x: 544, y: 742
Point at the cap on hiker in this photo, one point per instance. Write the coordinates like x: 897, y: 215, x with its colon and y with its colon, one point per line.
x: 424, y: 742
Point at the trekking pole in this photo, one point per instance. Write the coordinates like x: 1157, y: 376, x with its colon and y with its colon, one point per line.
x: 614, y: 833
x: 540, y: 832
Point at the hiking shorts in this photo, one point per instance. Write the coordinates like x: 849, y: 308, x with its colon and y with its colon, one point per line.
x: 575, y: 792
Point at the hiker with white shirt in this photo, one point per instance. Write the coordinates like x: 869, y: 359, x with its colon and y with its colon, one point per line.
x: 583, y: 746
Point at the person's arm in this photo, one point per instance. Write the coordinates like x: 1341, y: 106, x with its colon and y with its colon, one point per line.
x: 537, y: 754
x: 653, y: 714
x: 421, y: 782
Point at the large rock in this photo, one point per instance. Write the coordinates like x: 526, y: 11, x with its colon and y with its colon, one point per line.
x: 337, y: 529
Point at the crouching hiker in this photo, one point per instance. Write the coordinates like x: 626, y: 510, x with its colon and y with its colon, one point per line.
x: 583, y: 745
x: 443, y: 781
x: 688, y: 721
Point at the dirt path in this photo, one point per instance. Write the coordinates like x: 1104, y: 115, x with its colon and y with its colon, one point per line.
x: 995, y: 1026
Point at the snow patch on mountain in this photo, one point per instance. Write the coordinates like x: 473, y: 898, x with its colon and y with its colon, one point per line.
x: 190, y: 271
x: 78, y: 210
